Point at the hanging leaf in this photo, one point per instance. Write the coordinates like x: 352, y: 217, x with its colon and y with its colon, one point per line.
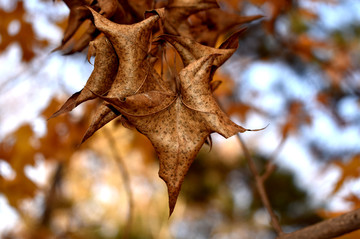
x: 179, y: 119
x: 134, y: 67
x: 78, y: 13
x: 100, y: 80
x: 191, y: 50
x: 79, y: 18
x: 178, y: 124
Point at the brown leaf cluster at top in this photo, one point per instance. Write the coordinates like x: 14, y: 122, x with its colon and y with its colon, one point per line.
x: 201, y: 20
x: 177, y: 113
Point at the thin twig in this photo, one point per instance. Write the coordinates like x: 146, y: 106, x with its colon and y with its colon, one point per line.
x: 270, y: 166
x: 260, y: 187
x: 125, y: 176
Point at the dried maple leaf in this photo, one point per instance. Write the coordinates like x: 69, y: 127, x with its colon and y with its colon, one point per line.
x: 131, y: 43
x: 179, y: 121
x: 178, y: 124
x: 100, y: 80
x: 78, y: 13
x: 190, y: 50
x: 106, y: 113
x: 79, y: 17
x: 86, y: 33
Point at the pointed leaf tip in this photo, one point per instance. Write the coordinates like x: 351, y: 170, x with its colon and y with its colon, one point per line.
x: 232, y: 42
x: 173, y: 192
x: 99, y: 21
x: 257, y: 129
x: 68, y: 106
x: 160, y: 12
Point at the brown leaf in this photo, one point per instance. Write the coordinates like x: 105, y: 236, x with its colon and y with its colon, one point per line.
x: 100, y: 80
x: 232, y: 42
x: 131, y: 43
x: 215, y: 84
x: 103, y: 115
x: 80, y: 41
x: 78, y: 13
x: 106, y: 113
x: 178, y: 121
x: 79, y: 17
x: 190, y: 50
x: 178, y: 130
x: 142, y: 104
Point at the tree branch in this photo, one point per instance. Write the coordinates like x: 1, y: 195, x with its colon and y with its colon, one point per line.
x: 261, y: 188
x: 329, y: 228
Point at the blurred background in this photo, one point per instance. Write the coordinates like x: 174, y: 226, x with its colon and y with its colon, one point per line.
x: 297, y: 69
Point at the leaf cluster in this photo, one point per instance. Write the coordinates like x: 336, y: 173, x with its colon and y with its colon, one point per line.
x: 176, y: 112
